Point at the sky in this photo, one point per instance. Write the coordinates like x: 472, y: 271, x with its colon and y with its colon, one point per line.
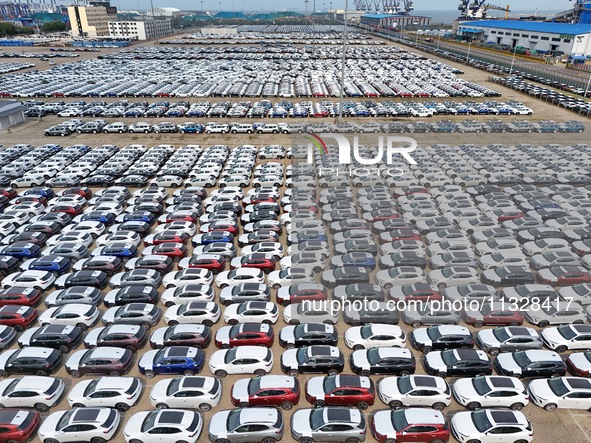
x: 299, y: 5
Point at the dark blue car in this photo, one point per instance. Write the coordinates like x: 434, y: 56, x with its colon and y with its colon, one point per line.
x: 45, y: 191
x: 214, y: 237
x: 143, y: 216
x: 99, y: 216
x: 356, y: 259
x: 51, y: 263
x: 172, y: 360
x: 120, y: 249
x: 21, y: 250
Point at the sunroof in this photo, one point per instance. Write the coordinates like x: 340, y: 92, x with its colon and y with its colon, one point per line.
x: 86, y: 414
x: 54, y: 329
x: 579, y: 383
x: 251, y: 327
x: 171, y: 417
x: 320, y: 350
x: 501, y: 382
x: 338, y: 414
x: 349, y: 380
x: 177, y: 351
x: 425, y: 381
x: 194, y: 382
x: 504, y: 417
x: 316, y: 327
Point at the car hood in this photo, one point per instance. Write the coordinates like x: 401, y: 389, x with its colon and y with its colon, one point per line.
x: 240, y: 390
x: 289, y: 359
x: 223, y: 335
x: 539, y: 388
x: 47, y: 428
x: 109, y: 315
x: 315, y: 387
x: 383, y: 424
x: 74, y: 361
x: 359, y: 359
x: 552, y: 335
x: 91, y: 338
x: 287, y: 334
x: 147, y: 360
x: 420, y: 335
x: 26, y: 336
x: 462, y: 422
x: 506, y: 361
x: 435, y: 361
x: 157, y: 336
x: 217, y: 425
x: 487, y: 337
x: 216, y: 360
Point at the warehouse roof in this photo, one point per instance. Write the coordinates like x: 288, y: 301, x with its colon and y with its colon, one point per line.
x: 517, y: 25
x: 10, y: 107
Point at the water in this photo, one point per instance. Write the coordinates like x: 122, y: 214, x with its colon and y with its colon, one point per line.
x: 448, y: 16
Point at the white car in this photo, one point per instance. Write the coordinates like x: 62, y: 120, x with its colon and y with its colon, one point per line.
x: 31, y: 391
x: 545, y: 245
x: 251, y: 312
x: 93, y: 228
x: 190, y: 392
x: 185, y: 277
x: 238, y: 276
x: 119, y: 237
x: 561, y: 392
x: 453, y: 276
x: 567, y: 337
x: 491, y: 426
x: 163, y: 426
x: 491, y: 391
x: 80, y: 424
x: 273, y: 248
x: 29, y: 279
x: 277, y: 279
x: 400, y: 276
x: 114, y: 392
x: 375, y: 336
x: 75, y: 314
x: 414, y: 390
x: 74, y: 237
x: 182, y: 226
x: 195, y: 312
x: 256, y: 360
x: 186, y: 294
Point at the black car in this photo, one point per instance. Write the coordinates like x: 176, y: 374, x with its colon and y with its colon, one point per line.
x: 198, y: 336
x: 398, y: 361
x: 457, y: 362
x: 46, y: 227
x: 403, y: 258
x: 96, y: 279
x: 381, y: 313
x: 308, y: 334
x: 160, y: 263
x: 108, y: 264
x: 30, y: 360
x: 533, y: 363
x: 508, y: 276
x: 61, y: 337
x: 317, y: 359
x: 441, y: 337
x: 362, y: 245
x: 98, y: 180
x: 60, y: 218
x: 132, y: 337
x: 131, y: 294
x: 8, y: 265
x: 345, y: 275
x: 359, y: 291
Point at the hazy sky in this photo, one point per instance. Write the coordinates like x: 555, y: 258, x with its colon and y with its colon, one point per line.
x: 266, y: 5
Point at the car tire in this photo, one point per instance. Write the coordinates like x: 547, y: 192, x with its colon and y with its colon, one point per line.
x: 439, y: 406
x: 442, y: 374
x: 98, y: 440
x: 332, y: 372
x: 207, y: 323
x: 149, y: 374
x: 365, y: 373
x: 205, y: 407
x: 294, y: 322
x: 135, y: 440
x: 220, y: 373
x: 293, y: 372
x: 260, y: 372
x: 473, y: 441
x: 173, y: 323
x: 358, y: 347
x: 41, y: 407
x: 161, y: 406
x: 114, y: 374
x: 76, y: 374
x: 478, y: 324
x: 543, y: 323
x: 389, y: 440
x: 82, y: 326
x: 122, y: 406
x: 50, y: 440
x: 168, y: 304
x: 550, y: 406
x: 78, y: 405
x: 188, y: 372
x: 306, y: 440
x: 352, y: 440
x: 561, y: 349
x: 362, y: 405
x: 222, y: 440
x: 516, y: 406
x: 494, y: 351
x: 416, y: 324
x: 64, y: 349
x: 473, y: 405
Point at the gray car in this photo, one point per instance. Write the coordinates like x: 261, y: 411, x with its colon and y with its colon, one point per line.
x: 143, y: 277
x: 429, y: 314
x: 508, y: 339
x: 86, y: 295
x: 144, y: 314
x: 246, y: 425
x: 329, y: 423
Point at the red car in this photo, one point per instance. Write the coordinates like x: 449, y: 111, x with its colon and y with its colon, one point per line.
x: 264, y: 262
x: 224, y: 225
x: 407, y: 190
x: 215, y: 263
x: 190, y: 216
x: 72, y: 210
x: 18, y: 425
x: 341, y: 390
x: 399, y: 234
x: 582, y: 247
x: 579, y: 363
x: 493, y: 314
x: 563, y: 275
x: 410, y: 425
x: 268, y: 390
x: 20, y: 296
x: 35, y: 198
x: 382, y: 214
x: 8, y: 192
x: 167, y: 237
x: 173, y: 250
x: 505, y: 214
x: 245, y: 334
x: 19, y: 317
x: 259, y: 198
x: 79, y: 190
x: 297, y: 293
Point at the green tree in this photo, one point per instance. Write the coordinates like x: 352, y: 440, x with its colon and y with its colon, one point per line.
x: 53, y: 26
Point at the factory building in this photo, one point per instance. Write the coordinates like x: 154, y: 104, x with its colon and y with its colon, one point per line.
x: 90, y: 21
x: 391, y: 21
x: 140, y: 30
x: 541, y: 37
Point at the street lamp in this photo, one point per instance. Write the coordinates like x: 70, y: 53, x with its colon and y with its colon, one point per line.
x: 469, y: 47
x: 343, y: 60
x: 587, y: 88
x: 513, y: 59
x: 438, y: 40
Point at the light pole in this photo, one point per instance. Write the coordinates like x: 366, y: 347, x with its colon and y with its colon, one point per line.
x: 343, y: 60
x: 587, y: 88
x: 469, y: 47
x: 438, y: 41
x: 513, y: 59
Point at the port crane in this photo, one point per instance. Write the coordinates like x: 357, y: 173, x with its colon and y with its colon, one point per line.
x: 478, y: 9
x: 399, y: 7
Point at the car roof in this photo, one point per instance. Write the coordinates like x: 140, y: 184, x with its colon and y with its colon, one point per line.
x: 503, y: 382
x: 470, y: 354
x: 197, y: 382
x: 497, y: 416
x: 109, y: 383
x: 426, y: 381
x: 453, y: 330
x: 176, y: 417
x: 276, y: 381
x: 85, y: 415
x: 180, y: 351
x: 340, y: 415
x: 106, y: 352
x: 352, y: 381
x: 258, y: 415
x: 542, y: 355
x: 123, y: 329
x: 57, y: 329
x: 424, y: 415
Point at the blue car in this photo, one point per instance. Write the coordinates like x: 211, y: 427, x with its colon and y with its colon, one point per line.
x: 213, y: 237
x: 118, y: 249
x: 172, y: 360
x: 51, y: 263
x: 572, y: 127
x: 192, y: 128
x: 357, y: 259
x: 306, y: 236
x: 45, y: 191
x: 21, y: 250
x: 103, y: 217
x: 143, y: 216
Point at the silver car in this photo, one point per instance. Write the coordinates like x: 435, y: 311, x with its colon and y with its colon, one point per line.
x: 246, y: 425
x: 144, y: 314
x: 329, y: 423
x: 429, y: 314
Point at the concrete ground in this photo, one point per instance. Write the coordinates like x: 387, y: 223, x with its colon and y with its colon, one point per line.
x: 548, y: 426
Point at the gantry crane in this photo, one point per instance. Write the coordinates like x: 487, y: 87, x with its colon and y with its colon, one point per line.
x: 400, y: 7
x: 478, y: 9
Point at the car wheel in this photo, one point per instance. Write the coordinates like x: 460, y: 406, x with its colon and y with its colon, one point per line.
x: 207, y: 323
x: 442, y: 374
x: 365, y: 373
x: 478, y: 324
x: 50, y: 440
x: 41, y: 407
x: 561, y: 349
x: 293, y: 372
x: 115, y: 374
x: 98, y: 440
x: 389, y: 440
x: 290, y: 346
x: 149, y: 374
x: 416, y: 324
x: 333, y: 372
x: 516, y: 406
x: 404, y: 373
x: 439, y: 406
x: 205, y: 407
x: 122, y: 406
x: 168, y: 304
x: 550, y: 406
x: 426, y: 349
x: 294, y: 322
x: 161, y: 406
x: 78, y: 405
x: 473, y: 441
x: 173, y: 323
x: 260, y: 372
x: 222, y: 440
x: 494, y: 351
x: 76, y: 374
x: 358, y: 347
x: 473, y: 405
x: 306, y: 440
x: 220, y: 373
x: 82, y: 326
x: 224, y: 346
x: 286, y: 405
x: 64, y: 349
x: 543, y: 324
x: 188, y: 372
x: 135, y: 441
x: 268, y: 440
x: 352, y: 440
x: 362, y: 405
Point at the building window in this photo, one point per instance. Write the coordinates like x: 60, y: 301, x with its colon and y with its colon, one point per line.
x: 555, y: 39
x: 493, y: 32
x: 566, y: 40
x: 525, y: 35
x: 545, y: 38
x: 516, y: 34
x: 507, y: 33
x: 535, y: 37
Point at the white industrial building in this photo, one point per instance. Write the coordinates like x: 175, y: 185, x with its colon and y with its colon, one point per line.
x: 162, y: 12
x: 141, y: 29
x: 543, y: 37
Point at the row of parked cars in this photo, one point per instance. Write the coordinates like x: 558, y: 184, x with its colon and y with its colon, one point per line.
x: 5, y: 67
x: 266, y: 108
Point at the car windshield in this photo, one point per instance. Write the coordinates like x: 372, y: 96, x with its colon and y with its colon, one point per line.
x: 254, y: 385
x: 316, y: 418
x: 449, y: 358
x: 373, y: 356
x: 366, y: 331
x: 173, y: 386
x: 433, y: 333
x: 500, y: 334
x: 404, y: 385
x: 399, y: 419
x: 10, y: 387
x: 480, y: 385
x: 91, y: 386
x: 481, y: 421
x: 329, y: 384
x: 567, y: 332
x: 521, y: 359
x: 149, y: 421
x: 65, y: 420
x: 558, y: 387
x: 230, y: 355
